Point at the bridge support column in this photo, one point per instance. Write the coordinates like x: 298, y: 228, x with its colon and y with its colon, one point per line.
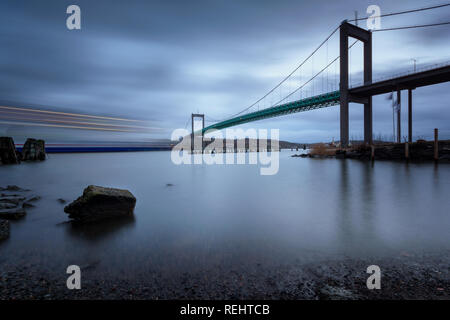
x: 348, y: 30
x: 410, y: 115
x: 368, y: 123
x: 399, y: 116
x: 343, y: 85
x: 193, y: 135
x: 368, y: 130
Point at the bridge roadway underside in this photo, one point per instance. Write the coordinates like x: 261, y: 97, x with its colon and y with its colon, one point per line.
x: 316, y: 102
x: 412, y: 81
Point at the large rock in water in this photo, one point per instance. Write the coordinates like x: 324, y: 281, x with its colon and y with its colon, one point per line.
x: 98, y: 203
x: 8, y: 153
x: 33, y: 150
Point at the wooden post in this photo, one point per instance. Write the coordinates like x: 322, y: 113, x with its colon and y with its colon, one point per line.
x: 372, y: 153
x: 407, y: 150
x: 436, y: 144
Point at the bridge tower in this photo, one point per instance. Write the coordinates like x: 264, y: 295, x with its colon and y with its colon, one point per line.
x: 193, y: 116
x: 348, y: 30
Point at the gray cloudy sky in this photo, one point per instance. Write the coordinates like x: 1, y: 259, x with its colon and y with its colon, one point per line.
x: 162, y: 60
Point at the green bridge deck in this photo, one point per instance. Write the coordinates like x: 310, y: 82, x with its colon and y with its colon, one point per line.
x: 316, y: 102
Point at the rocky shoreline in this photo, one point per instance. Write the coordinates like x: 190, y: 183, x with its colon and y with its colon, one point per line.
x: 417, y: 151
x: 407, y: 276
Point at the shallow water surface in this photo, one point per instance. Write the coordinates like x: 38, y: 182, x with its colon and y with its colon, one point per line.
x: 227, y: 215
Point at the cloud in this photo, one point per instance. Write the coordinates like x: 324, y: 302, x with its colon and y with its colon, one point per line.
x: 162, y: 60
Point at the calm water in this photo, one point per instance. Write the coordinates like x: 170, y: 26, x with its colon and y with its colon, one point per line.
x: 228, y: 215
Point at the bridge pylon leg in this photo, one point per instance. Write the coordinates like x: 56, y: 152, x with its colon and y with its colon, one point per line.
x: 193, y: 135
x: 368, y: 130
x: 343, y: 86
x: 348, y: 30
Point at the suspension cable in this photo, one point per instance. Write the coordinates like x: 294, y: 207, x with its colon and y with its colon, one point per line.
x: 334, y: 60
x: 290, y: 74
x: 326, y: 40
x: 412, y: 27
x: 401, y: 12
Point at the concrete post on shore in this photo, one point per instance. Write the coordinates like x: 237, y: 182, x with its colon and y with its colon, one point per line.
x: 8, y: 153
x: 436, y: 144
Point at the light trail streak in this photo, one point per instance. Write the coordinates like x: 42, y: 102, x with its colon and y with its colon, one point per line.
x: 68, y: 114
x: 74, y: 122
x: 62, y: 126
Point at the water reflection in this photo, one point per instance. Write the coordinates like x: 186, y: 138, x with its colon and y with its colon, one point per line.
x: 356, y: 206
x: 368, y: 199
x: 345, y: 229
x: 216, y: 215
x: 98, y: 231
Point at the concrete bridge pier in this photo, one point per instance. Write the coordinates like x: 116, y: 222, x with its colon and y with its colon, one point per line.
x: 410, y: 115
x: 399, y: 124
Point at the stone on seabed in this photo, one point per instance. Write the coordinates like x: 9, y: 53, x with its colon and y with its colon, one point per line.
x: 98, y: 203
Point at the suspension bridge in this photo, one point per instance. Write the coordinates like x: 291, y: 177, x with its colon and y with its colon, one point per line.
x: 345, y: 93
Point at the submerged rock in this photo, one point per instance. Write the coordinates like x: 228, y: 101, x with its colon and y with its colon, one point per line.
x: 13, y: 188
x: 8, y: 153
x: 7, y: 205
x: 12, y: 214
x: 27, y: 205
x: 98, y: 203
x: 33, y: 150
x: 15, y: 200
x: 302, y: 155
x: 32, y: 199
x: 12, y: 206
x: 4, y: 229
